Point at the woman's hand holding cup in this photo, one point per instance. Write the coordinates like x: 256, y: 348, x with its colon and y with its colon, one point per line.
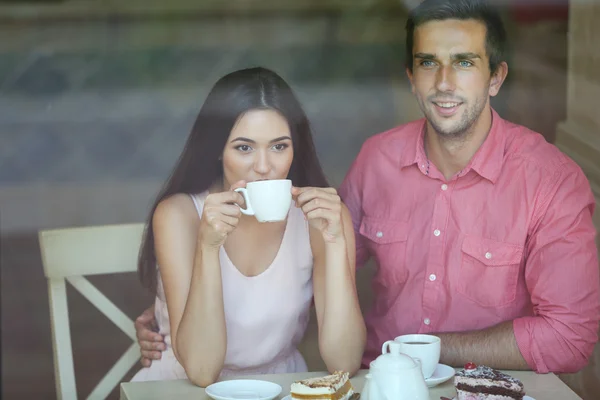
x: 220, y: 216
x: 323, y: 209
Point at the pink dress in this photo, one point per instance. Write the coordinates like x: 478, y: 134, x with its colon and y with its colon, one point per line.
x: 266, y: 315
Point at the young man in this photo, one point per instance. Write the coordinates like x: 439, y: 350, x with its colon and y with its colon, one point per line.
x: 482, y: 231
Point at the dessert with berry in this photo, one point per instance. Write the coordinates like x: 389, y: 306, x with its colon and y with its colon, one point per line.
x: 479, y: 382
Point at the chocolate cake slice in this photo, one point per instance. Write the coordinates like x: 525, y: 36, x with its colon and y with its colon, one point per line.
x: 485, y: 383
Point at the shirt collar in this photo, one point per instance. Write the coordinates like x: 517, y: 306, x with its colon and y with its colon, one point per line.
x: 414, y: 150
x: 487, y: 161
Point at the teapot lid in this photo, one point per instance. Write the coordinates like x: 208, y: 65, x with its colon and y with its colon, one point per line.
x: 393, y: 360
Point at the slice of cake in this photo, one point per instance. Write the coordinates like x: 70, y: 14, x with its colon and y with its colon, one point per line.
x: 484, y: 383
x: 330, y: 387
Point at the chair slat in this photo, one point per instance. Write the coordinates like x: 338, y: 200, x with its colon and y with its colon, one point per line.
x: 90, y: 250
x: 102, y: 303
x: 64, y: 373
x: 70, y: 254
x: 116, y: 373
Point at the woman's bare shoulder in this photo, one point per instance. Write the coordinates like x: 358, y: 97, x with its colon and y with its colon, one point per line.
x: 177, y: 209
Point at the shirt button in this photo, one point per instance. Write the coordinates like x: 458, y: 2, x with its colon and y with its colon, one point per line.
x: 444, y: 187
x: 426, y: 321
x: 437, y: 232
x: 379, y: 234
x: 488, y: 255
x: 432, y: 277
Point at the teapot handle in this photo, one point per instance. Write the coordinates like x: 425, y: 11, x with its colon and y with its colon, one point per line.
x: 420, y: 364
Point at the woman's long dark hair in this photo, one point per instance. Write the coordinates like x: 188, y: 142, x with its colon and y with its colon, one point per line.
x: 199, y: 166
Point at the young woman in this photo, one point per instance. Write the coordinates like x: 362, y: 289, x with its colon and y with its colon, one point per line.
x: 233, y: 295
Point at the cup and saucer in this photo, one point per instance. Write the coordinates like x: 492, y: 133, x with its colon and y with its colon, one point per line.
x: 441, y: 374
x: 426, y: 348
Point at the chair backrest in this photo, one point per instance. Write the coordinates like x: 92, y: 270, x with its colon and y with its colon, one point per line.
x: 69, y: 255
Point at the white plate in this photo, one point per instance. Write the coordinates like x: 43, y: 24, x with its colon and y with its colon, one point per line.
x: 441, y: 374
x: 243, y: 389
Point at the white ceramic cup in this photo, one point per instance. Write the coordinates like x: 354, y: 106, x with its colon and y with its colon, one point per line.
x: 426, y: 348
x: 268, y: 201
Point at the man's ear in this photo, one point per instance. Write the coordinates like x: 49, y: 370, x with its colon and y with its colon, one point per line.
x: 410, y: 78
x: 498, y: 78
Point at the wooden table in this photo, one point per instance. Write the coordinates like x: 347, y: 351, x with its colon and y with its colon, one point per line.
x: 540, y: 387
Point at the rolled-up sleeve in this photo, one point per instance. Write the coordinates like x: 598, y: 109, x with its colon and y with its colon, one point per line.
x: 350, y: 192
x: 562, y: 275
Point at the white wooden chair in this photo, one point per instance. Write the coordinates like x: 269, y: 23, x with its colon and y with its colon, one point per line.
x: 69, y: 255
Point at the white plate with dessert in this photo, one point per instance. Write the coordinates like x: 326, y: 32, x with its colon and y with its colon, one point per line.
x: 334, y: 386
x: 243, y: 389
x: 483, y: 382
x: 524, y: 398
x: 441, y: 374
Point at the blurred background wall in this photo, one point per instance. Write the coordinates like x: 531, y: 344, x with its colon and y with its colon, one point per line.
x: 97, y: 98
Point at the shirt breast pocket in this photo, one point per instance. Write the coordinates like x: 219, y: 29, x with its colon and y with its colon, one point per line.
x: 489, y: 271
x: 387, y: 242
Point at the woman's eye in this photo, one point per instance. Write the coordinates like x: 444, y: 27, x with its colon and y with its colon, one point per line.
x: 244, y: 148
x: 280, y: 147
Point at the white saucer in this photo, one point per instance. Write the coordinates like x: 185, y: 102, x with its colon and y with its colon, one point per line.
x: 441, y: 374
x: 243, y: 389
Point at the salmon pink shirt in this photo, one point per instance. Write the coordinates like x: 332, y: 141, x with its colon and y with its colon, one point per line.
x: 510, y: 237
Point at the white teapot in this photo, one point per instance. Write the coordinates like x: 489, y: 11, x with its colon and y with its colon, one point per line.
x: 394, y: 376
